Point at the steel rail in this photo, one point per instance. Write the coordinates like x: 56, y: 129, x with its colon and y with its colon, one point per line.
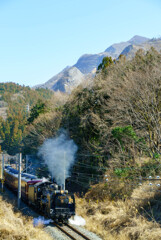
x: 68, y: 234
x: 74, y: 230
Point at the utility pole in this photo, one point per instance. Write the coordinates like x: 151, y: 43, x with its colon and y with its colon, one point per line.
x: 64, y: 170
x: 16, y: 164
x: 19, y: 179
x: 2, y: 173
x: 26, y: 162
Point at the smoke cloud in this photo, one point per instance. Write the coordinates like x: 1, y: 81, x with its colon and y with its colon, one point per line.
x: 59, y: 155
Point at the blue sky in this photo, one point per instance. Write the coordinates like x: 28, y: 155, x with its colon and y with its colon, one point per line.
x: 38, y: 38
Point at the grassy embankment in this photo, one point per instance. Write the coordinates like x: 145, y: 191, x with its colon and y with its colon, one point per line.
x: 137, y: 218
x: 14, y: 226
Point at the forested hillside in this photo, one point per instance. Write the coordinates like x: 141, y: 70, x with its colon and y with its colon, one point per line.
x: 19, y: 100
x: 115, y: 120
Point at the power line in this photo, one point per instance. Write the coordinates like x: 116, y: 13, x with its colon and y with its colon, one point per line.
x: 89, y: 166
x: 84, y: 173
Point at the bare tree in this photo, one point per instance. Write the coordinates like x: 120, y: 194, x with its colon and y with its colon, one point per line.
x: 135, y: 96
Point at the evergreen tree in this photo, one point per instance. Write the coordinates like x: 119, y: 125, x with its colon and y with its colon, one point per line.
x: 106, y: 62
x: 39, y: 108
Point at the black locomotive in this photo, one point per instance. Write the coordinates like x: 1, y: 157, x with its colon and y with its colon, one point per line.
x: 43, y: 195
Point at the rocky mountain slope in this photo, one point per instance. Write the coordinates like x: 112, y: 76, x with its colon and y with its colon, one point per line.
x: 130, y: 50
x: 88, y: 62
x: 64, y: 81
x: 70, y: 77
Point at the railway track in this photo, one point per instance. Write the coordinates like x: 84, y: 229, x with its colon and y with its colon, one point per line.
x: 71, y: 232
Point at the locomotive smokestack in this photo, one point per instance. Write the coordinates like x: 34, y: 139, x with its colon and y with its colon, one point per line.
x: 63, y: 187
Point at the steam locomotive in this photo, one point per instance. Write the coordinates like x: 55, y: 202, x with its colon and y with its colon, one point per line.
x: 43, y: 195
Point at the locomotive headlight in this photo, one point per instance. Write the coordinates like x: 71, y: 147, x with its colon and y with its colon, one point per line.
x: 62, y: 191
x: 51, y: 211
x: 56, y: 191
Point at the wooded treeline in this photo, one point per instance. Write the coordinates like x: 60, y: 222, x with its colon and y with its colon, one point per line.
x: 115, y: 120
x: 18, y: 99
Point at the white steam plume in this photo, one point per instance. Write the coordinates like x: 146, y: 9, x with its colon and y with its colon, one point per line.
x: 77, y: 221
x: 59, y: 155
x: 41, y: 221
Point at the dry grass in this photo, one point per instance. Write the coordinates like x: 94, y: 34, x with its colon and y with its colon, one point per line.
x: 15, y: 227
x: 124, y: 220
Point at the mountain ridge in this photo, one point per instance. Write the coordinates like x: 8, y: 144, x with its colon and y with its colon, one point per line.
x: 71, y: 76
